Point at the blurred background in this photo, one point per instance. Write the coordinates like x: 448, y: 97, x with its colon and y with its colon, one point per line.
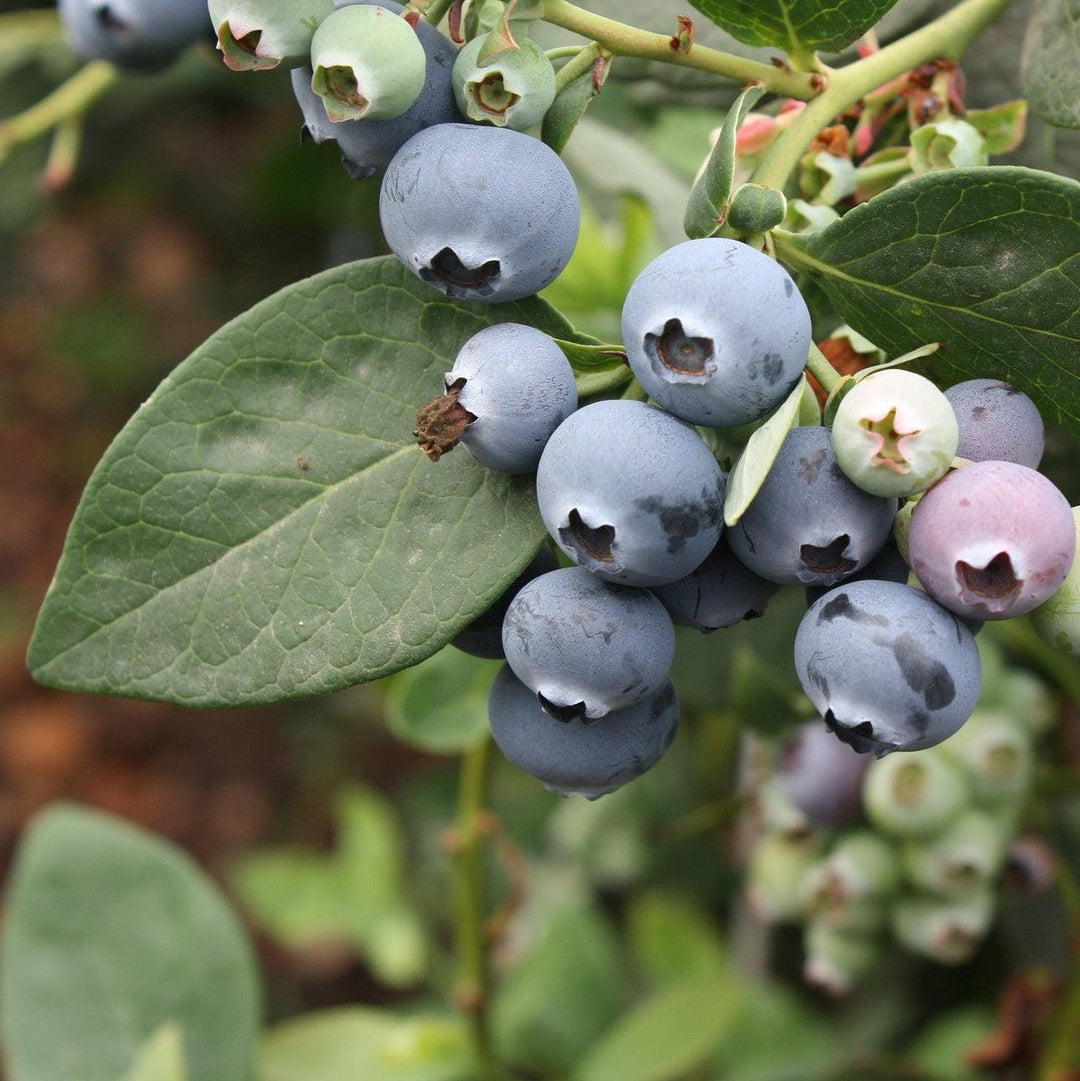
x: 194, y: 198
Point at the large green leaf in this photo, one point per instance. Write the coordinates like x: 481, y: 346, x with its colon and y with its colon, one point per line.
x: 1050, y: 64
x: 797, y: 26
x: 111, y: 934
x: 985, y: 261
x: 265, y: 527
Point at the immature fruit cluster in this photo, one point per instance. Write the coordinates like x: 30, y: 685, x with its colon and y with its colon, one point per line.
x: 919, y: 862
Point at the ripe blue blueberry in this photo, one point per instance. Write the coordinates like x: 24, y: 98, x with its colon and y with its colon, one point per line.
x: 716, y: 332
x: 809, y: 525
x: 822, y: 775
x: 573, y: 757
x: 367, y: 146
x: 630, y: 493
x: 998, y: 423
x: 584, y: 647
x: 145, y: 34
x: 510, y: 387
x: 992, y: 540
x: 887, y: 667
x: 483, y: 637
x: 719, y: 593
x: 480, y: 213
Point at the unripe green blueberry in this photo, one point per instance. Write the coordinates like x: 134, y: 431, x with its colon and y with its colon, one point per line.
x: 995, y: 752
x: 846, y: 888
x: 756, y: 209
x: 914, y: 795
x: 256, y: 35
x: 775, y: 875
x: 967, y: 856
x: 512, y: 89
x: 368, y: 64
x: 1057, y: 620
x: 947, y: 144
x: 894, y: 433
x: 837, y: 960
x: 945, y: 930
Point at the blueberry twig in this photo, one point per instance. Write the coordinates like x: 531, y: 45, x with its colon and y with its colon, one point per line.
x: 817, y: 364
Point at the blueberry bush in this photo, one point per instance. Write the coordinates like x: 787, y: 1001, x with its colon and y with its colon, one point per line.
x: 760, y: 319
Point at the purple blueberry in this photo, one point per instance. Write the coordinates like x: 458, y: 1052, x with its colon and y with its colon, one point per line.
x: 998, y: 423
x: 822, y: 775
x: 367, y: 146
x: 809, y: 525
x: 716, y: 332
x: 630, y: 493
x: 887, y: 667
x: 585, y: 647
x: 992, y: 540
x: 480, y: 213
x: 483, y: 637
x: 719, y: 593
x: 574, y: 757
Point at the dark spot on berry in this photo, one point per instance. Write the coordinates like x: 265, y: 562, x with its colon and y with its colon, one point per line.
x: 840, y: 607
x: 923, y: 673
x: 773, y: 367
x: 679, y: 521
x: 109, y: 21
x: 810, y: 467
x: 789, y: 287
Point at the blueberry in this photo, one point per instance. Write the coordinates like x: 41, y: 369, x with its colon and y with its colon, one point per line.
x: 510, y: 387
x: 719, y: 593
x: 513, y: 88
x: 716, y: 332
x: 968, y: 854
x: 480, y: 213
x: 998, y: 423
x: 894, y: 433
x: 995, y: 752
x: 845, y: 890
x: 1057, y: 620
x: 367, y: 146
x: 630, y: 493
x: 992, y: 540
x: 887, y: 667
x: 944, y: 930
x: 256, y: 35
x: 483, y: 637
x: 822, y: 775
x: 888, y: 565
x: 837, y: 960
x: 584, y: 647
x: 139, y: 34
x: 914, y: 795
x: 809, y: 525
x: 573, y: 757
x: 774, y: 876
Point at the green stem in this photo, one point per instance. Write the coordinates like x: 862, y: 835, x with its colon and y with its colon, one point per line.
x: 469, y: 906
x: 563, y: 51
x: 884, y: 170
x: 582, y: 64
x: 623, y: 40
x: 817, y: 364
x: 70, y: 99
x: 436, y: 10
x: 945, y: 37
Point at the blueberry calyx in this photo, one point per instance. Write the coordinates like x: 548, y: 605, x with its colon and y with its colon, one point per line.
x: 592, y: 541
x: 993, y: 586
x: 828, y: 559
x: 449, y: 274
x: 564, y: 714
x: 859, y: 737
x: 677, y: 356
x: 441, y: 421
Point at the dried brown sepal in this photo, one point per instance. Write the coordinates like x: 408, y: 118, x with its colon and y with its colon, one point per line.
x: 683, y: 38
x: 441, y: 421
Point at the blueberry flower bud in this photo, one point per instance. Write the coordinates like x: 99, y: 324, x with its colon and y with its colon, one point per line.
x: 512, y: 89
x: 368, y: 64
x: 756, y: 209
x: 894, y: 433
x: 256, y: 35
x: 947, y: 144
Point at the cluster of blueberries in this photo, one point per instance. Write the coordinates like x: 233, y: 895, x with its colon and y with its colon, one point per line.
x: 717, y: 335
x: 910, y: 846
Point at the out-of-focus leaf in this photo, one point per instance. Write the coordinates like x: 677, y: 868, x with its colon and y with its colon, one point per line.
x: 161, y: 1058
x: 109, y: 934
x: 1002, y: 126
x: 669, y: 1034
x: 985, y: 261
x: 549, y: 1009
x: 360, y: 1044
x: 940, y: 1050
x: 680, y: 137
x: 673, y: 939
x: 1050, y: 62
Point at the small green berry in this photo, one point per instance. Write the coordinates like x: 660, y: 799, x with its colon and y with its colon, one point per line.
x: 256, y: 35
x: 947, y: 144
x: 512, y: 89
x: 967, y: 856
x: 995, y: 752
x: 1057, y: 620
x: 947, y: 931
x: 914, y: 795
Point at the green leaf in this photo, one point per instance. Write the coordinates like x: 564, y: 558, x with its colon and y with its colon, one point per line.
x: 549, y: 1009
x: 161, y: 1057
x: 111, y: 933
x: 1050, y: 62
x: 585, y: 359
x: 941, y: 1048
x: 985, y: 261
x: 668, y: 1035
x: 796, y: 26
x: 749, y: 472
x: 360, y: 1044
x: 706, y: 209
x: 265, y: 527
x: 673, y: 939
x: 441, y: 704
